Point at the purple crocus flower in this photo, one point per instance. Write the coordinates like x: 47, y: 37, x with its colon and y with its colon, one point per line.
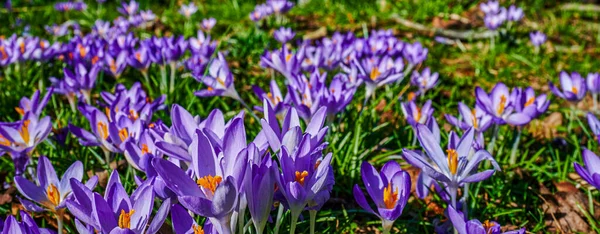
x: 101, y: 28
x: 78, y: 83
x: 62, y: 87
x: 80, y: 6
x: 49, y: 191
x: 389, y: 189
x: 20, y: 139
x: 274, y: 97
x: 415, y: 115
x: 132, y: 103
x: 147, y: 16
x: 425, y: 80
x: 116, y: 65
x: 173, y: 48
x: 208, y: 24
x: 285, y: 62
x: 594, y: 125
x: 490, y: 7
x: 26, y: 47
x: 500, y: 104
x: 42, y: 50
x: 593, y: 82
x: 219, y: 174
x: 339, y: 94
x: 453, y: 168
x: 121, y: 24
x: 284, y: 35
x: 209, y: 196
x: 256, y: 15
x: 280, y: 6
x: 424, y: 181
x: 202, y: 45
x: 197, y: 64
x: 8, y: 5
x: 376, y: 45
x: 591, y: 171
x: 70, y: 6
x: 529, y: 104
x: 394, y: 46
x: 84, y: 228
x: 573, y: 87
x: 321, y: 197
x: 60, y: 134
x: 188, y: 10
x: 494, y: 20
x: 331, y: 54
x: 312, y: 57
x: 183, y: 223
x: 27, y: 225
x: 515, y: 13
x: 140, y: 59
x: 120, y: 43
x: 260, y: 191
x: 34, y: 105
x: 537, y: 38
x: 476, y: 118
x: 202, y: 48
x: 177, y: 141
x: 49, y: 51
x: 219, y: 80
x: 7, y: 55
x: 376, y: 72
x: 140, y: 155
x: 136, y: 21
x: 116, y: 211
x: 290, y: 131
x: 78, y: 50
x: 415, y: 53
x: 129, y: 9
x: 304, y: 176
x: 260, y: 12
x: 474, y: 226
x: 100, y: 135
x: 122, y: 127
x: 76, y: 29
x: 358, y: 48
x: 306, y: 94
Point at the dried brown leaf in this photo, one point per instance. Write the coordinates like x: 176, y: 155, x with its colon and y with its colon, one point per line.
x: 369, y: 229
x: 381, y: 105
x: 102, y: 176
x: 547, y: 128
x: 580, y: 181
x: 414, y: 174
x: 438, y: 22
x: 562, y: 209
x: 319, y: 33
x: 7, y: 196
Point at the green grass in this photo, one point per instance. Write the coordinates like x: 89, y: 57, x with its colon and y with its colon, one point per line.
x: 377, y: 135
